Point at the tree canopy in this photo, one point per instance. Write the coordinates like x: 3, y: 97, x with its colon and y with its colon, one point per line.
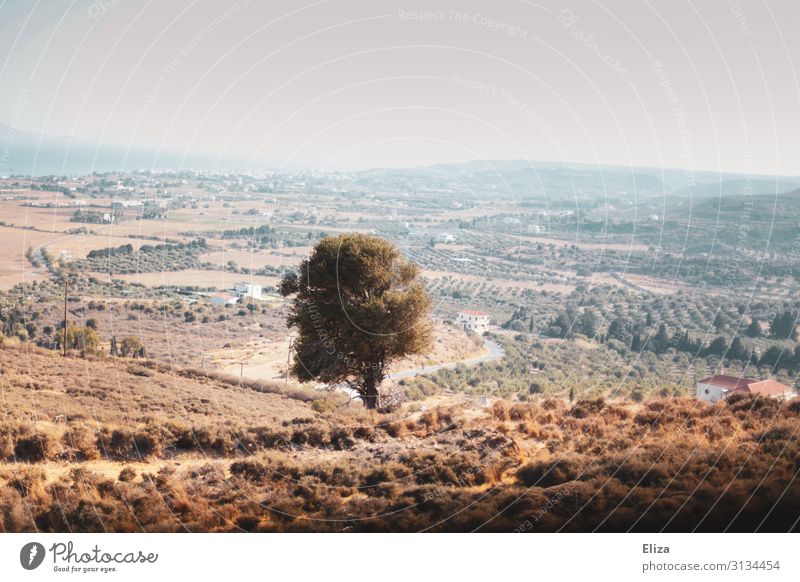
x: 358, y: 305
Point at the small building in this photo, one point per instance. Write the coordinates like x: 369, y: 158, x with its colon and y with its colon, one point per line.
x: 475, y: 321
x: 248, y: 290
x: 720, y: 387
x: 223, y: 299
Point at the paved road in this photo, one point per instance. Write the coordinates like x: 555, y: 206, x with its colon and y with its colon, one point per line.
x: 496, y: 352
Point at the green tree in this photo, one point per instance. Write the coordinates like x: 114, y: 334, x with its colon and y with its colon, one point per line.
x: 737, y: 351
x: 754, y: 329
x: 784, y: 326
x: 717, y: 347
x: 776, y: 358
x: 588, y: 322
x: 130, y: 346
x: 79, y: 338
x: 358, y: 305
x: 618, y: 330
x: 662, y: 340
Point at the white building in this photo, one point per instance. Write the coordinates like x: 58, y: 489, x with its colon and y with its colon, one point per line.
x: 719, y: 387
x: 243, y: 289
x: 223, y: 299
x: 476, y: 321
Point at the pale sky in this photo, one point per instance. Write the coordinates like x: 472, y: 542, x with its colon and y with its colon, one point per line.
x: 355, y: 84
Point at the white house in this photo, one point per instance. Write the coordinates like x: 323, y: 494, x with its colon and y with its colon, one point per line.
x: 719, y: 387
x: 476, y: 321
x: 243, y: 289
x: 223, y: 299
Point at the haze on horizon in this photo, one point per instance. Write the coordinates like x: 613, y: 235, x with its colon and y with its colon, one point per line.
x: 350, y: 85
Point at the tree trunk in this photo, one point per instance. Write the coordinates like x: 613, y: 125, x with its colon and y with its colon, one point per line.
x: 371, y: 394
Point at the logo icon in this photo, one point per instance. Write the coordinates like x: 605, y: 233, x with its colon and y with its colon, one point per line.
x: 31, y: 555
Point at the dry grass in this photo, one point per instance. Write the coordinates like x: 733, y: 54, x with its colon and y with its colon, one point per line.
x: 255, y: 458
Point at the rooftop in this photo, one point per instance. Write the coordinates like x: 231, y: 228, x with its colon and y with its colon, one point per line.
x: 767, y: 387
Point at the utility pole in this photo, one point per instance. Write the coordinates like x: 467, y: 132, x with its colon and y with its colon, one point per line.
x: 288, y: 355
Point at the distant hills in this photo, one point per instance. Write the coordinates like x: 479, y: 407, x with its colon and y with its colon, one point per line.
x: 527, y: 176
x: 26, y: 153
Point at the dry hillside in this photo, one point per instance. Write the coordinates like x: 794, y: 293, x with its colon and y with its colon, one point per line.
x: 99, y: 444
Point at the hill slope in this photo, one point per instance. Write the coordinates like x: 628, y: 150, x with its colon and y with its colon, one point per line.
x: 143, y: 447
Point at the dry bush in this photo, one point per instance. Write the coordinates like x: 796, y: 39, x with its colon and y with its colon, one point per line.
x: 747, y: 405
x: 35, y: 448
x: 6, y: 447
x: 396, y: 428
x: 522, y: 412
x: 127, y: 474
x: 130, y: 445
x: 587, y: 408
x: 550, y: 472
x: 500, y: 410
x: 81, y: 443
x: 312, y: 435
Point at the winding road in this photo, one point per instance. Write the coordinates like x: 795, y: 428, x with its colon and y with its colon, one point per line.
x: 495, y: 352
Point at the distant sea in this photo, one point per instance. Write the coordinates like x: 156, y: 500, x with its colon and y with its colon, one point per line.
x: 58, y: 158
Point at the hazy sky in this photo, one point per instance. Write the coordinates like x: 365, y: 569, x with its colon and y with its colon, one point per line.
x: 703, y: 85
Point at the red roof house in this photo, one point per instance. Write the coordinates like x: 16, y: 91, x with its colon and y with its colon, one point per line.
x: 721, y: 386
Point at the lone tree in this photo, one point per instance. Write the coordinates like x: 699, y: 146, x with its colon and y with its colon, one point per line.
x: 358, y: 305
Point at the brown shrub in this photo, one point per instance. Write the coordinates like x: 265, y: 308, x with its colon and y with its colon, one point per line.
x: 500, y: 410
x: 130, y: 445
x: 127, y: 474
x: 520, y: 412
x: 6, y: 447
x: 250, y: 470
x: 550, y: 473
x: 314, y: 435
x: 396, y: 429
x: 586, y: 408
x: 81, y: 444
x: 35, y: 448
